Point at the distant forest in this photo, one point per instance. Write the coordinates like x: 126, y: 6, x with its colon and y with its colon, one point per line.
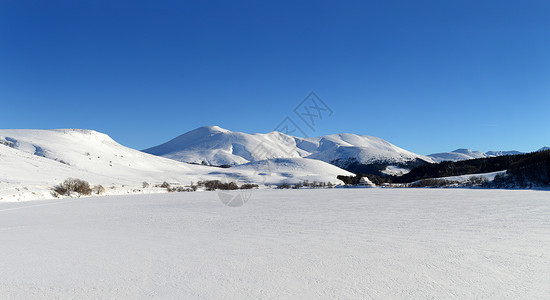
x: 523, y: 170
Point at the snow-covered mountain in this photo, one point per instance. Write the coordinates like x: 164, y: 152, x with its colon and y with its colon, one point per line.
x: 501, y: 153
x: 213, y: 145
x: 32, y: 161
x: 465, y: 154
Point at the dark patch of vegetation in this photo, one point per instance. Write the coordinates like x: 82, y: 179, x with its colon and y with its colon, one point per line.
x: 181, y: 189
x: 73, y: 185
x: 306, y: 184
x: 523, y: 170
x: 284, y: 186
x: 349, y: 180
x: 248, y: 186
x: 531, y: 171
x: 212, y: 185
x: 464, y: 167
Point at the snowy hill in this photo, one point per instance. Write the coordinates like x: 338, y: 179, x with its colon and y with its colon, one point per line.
x: 465, y: 154
x: 216, y: 146
x: 290, y: 170
x: 32, y: 161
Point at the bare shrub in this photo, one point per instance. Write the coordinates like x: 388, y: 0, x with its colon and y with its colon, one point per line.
x: 98, y: 189
x: 284, y: 186
x: 145, y: 184
x: 248, y: 186
x: 298, y: 185
x: 212, y: 185
x: 73, y: 185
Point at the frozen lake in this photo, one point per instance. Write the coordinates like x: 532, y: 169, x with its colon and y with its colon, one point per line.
x: 335, y: 243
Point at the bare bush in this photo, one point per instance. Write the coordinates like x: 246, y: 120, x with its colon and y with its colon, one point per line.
x: 73, y: 185
x: 284, y: 186
x: 248, y: 186
x: 212, y: 185
x: 145, y: 184
x: 98, y: 189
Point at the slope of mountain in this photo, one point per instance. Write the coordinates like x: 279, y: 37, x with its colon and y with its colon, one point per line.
x: 290, y: 170
x: 216, y: 146
x: 32, y: 161
x: 465, y: 154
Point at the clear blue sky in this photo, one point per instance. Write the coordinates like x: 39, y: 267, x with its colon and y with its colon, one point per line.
x: 428, y: 76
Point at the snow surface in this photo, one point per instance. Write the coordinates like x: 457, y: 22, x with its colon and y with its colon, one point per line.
x: 33, y: 161
x: 395, y: 170
x: 218, y: 146
x: 299, y: 244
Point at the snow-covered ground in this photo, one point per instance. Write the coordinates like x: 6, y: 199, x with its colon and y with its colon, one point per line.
x: 298, y: 244
x: 464, y: 178
x: 395, y: 170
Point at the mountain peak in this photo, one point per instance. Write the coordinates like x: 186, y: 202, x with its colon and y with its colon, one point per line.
x: 212, y: 128
x: 463, y: 151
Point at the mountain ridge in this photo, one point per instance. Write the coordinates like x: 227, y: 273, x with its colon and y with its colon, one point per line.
x: 465, y: 154
x: 214, y: 145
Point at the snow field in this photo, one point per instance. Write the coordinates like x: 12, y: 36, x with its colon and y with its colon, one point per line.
x: 333, y: 243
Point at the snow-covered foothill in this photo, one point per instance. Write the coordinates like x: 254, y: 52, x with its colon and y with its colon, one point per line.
x: 33, y: 161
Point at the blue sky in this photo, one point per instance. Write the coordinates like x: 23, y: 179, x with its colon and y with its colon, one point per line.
x: 428, y: 76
